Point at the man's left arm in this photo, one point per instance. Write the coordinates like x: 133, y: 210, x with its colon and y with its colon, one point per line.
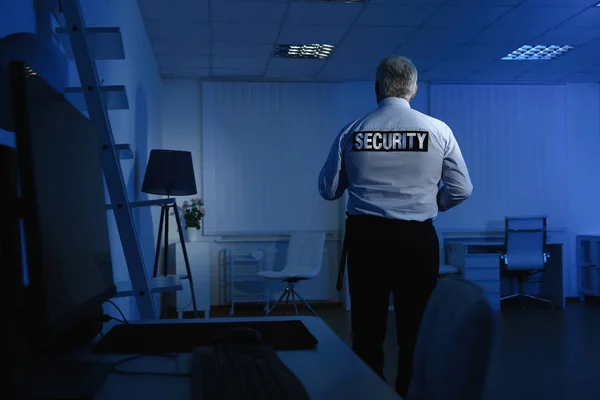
x: 332, y: 179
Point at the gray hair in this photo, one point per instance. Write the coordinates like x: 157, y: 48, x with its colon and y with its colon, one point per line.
x: 397, y: 77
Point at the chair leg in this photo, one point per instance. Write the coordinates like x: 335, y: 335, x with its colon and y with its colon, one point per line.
x: 286, y: 291
x: 510, y: 296
x: 304, y: 301
x: 529, y: 296
x: 295, y: 301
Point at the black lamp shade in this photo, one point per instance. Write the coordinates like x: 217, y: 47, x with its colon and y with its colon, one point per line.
x: 170, y: 173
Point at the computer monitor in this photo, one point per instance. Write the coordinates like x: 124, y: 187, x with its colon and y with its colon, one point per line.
x: 67, y: 268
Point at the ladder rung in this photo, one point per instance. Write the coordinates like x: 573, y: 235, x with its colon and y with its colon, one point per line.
x: 124, y: 151
x: 105, y: 43
x: 114, y: 97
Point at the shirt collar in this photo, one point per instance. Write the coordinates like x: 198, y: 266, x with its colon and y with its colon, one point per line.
x: 394, y: 101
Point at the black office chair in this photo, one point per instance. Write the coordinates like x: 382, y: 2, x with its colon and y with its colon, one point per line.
x: 524, y: 253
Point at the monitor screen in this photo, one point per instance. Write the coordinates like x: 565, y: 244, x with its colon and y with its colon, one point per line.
x: 67, y: 255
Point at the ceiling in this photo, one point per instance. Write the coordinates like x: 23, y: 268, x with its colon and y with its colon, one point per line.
x: 448, y: 40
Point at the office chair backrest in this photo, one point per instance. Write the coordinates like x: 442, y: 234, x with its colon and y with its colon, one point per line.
x: 525, y: 242
x: 305, y: 252
x: 454, y: 345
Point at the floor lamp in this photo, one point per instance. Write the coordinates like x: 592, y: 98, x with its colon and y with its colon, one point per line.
x: 170, y: 173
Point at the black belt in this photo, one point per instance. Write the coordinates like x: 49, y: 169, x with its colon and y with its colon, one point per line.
x: 344, y: 255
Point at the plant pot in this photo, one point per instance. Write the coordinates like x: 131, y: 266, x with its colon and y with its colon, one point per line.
x: 193, y: 234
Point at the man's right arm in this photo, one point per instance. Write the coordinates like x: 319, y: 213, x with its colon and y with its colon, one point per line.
x: 455, y: 176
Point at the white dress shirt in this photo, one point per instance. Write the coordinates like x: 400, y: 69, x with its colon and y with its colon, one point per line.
x: 392, y: 161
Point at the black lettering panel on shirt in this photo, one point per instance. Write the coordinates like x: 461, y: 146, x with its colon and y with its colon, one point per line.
x: 413, y: 141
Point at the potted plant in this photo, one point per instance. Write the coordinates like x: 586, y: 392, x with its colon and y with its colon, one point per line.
x: 192, y: 212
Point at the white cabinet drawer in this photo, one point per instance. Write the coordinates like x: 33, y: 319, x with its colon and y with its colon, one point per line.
x: 482, y: 261
x: 482, y: 274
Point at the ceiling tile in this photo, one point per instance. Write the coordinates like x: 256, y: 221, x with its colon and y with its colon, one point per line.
x: 171, y: 61
x: 560, y: 3
x: 303, y: 34
x: 443, y: 37
x: 480, y: 52
x: 237, y: 72
x: 178, y: 47
x: 537, y: 76
x: 176, y: 10
x: 565, y: 65
x: 449, y: 16
x: 323, y: 13
x: 290, y: 68
x: 588, y: 52
x: 593, y: 68
x: 184, y: 72
x: 423, y: 55
x: 443, y: 74
x: 571, y: 37
x: 248, y: 11
x: 240, y: 62
x: 509, y: 68
x: 584, y: 77
x: 536, y: 17
x: 589, y: 19
x: 244, y: 33
x: 369, y: 41
x: 395, y: 15
x: 166, y: 29
x: 514, y: 37
x: 406, y: 2
x: 344, y: 71
x: 484, y: 2
x: 233, y: 49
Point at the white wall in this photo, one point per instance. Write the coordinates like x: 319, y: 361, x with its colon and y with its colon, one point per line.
x: 582, y: 184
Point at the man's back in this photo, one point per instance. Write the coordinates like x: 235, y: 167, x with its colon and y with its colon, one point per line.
x: 394, y: 159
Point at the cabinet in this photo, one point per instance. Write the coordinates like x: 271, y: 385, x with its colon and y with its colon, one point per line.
x: 588, y: 265
x: 480, y: 264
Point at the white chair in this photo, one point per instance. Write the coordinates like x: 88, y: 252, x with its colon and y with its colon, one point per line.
x: 304, y: 261
x: 445, y: 269
x: 524, y: 252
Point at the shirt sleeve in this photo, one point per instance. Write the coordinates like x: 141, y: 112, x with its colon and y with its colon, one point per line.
x: 332, y: 179
x: 457, y: 186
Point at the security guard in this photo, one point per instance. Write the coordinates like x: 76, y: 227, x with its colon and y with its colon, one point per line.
x: 392, y: 162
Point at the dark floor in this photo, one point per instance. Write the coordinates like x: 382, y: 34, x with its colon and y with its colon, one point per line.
x: 540, y: 354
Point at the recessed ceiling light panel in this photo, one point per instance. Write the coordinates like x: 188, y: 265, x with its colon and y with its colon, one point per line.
x: 531, y: 53
x: 304, y: 50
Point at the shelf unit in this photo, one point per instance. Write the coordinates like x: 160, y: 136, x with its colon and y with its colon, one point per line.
x: 588, y: 265
x: 242, y: 269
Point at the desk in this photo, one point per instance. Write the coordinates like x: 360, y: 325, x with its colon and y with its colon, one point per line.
x: 331, y: 371
x: 478, y: 260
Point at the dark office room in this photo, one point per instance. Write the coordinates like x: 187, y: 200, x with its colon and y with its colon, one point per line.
x: 300, y: 199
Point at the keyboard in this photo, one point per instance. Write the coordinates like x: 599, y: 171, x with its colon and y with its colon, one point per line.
x: 246, y: 371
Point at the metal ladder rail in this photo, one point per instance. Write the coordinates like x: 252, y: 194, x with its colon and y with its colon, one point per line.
x: 111, y: 166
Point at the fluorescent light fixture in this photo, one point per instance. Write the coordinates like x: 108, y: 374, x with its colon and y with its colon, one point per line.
x: 531, y: 53
x: 304, y: 50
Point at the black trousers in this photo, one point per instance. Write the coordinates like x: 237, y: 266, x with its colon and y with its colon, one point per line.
x: 389, y: 256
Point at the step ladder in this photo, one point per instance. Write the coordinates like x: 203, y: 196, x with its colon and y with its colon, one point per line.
x: 85, y: 45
